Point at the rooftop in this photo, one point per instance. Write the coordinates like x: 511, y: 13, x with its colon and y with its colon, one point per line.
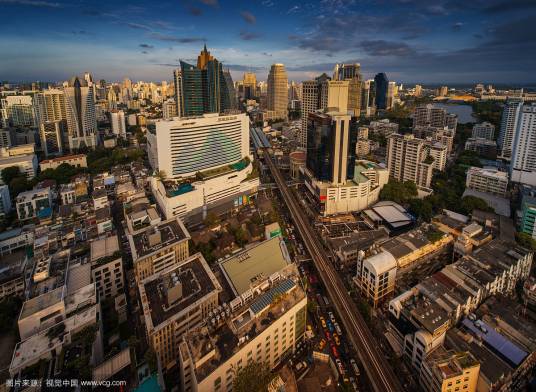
x: 41, y: 302
x: 173, y: 291
x: 12, y: 265
x: 250, y: 267
x: 104, y: 247
x: 64, y: 158
x: 158, y: 237
x: 406, y: 243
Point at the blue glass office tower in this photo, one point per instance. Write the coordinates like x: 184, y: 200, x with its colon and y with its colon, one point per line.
x: 382, y: 84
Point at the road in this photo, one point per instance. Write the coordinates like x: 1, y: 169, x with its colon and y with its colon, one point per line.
x: 378, y: 370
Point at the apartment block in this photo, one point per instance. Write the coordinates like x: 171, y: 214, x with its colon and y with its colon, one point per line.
x: 158, y: 247
x: 484, y: 130
x: 107, y: 267
x: 36, y: 203
x: 488, y: 180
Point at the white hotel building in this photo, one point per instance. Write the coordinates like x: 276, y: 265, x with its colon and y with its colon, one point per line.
x: 184, y: 146
x: 206, y: 162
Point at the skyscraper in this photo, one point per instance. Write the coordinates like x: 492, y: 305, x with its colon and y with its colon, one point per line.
x: 331, y: 140
x: 382, y: 84
x: 80, y: 110
x: 351, y: 73
x: 17, y: 110
x: 312, y: 100
x: 51, y: 135
x: 510, y: 117
x: 51, y: 118
x: 523, y: 165
x: 177, y: 83
x: 278, y: 90
x: 429, y: 115
x: 204, y: 87
x: 249, y: 83
x: 229, y: 92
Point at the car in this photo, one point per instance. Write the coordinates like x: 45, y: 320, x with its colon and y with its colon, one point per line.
x: 355, y: 367
x: 322, y: 344
x: 323, y: 322
x: 337, y: 340
x: 339, y: 366
x: 335, y: 352
x: 338, y: 328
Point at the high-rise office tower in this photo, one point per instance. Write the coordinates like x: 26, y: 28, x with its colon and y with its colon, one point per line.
x: 351, y: 73
x: 249, y: 83
x: 418, y: 90
x: 277, y: 99
x: 381, y: 84
x: 80, y: 110
x: 117, y: 119
x: 510, y: 117
x: 331, y: 140
x: 229, y: 92
x: 204, y: 87
x: 443, y: 91
x: 392, y: 90
x: 338, y: 95
x: 177, y: 83
x: 523, y: 165
x: 314, y: 97
x: 407, y: 160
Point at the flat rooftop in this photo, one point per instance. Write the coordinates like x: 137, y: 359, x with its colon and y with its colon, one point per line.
x: 406, y: 243
x: 12, y: 265
x: 254, y: 265
x: 41, y: 302
x: 171, y: 231
x: 104, y: 247
x: 197, y: 281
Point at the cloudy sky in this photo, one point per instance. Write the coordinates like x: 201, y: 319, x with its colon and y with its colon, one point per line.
x: 428, y: 41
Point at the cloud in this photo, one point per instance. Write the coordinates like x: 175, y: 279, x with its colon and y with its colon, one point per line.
x: 267, y: 54
x: 146, y: 46
x: 32, y: 3
x: 171, y: 38
x: 267, y: 3
x: 164, y: 25
x: 248, y: 17
x: 79, y: 32
x: 144, y: 52
x: 386, y: 48
x: 249, y: 36
x: 138, y: 26
x: 293, y: 9
x: 457, y: 26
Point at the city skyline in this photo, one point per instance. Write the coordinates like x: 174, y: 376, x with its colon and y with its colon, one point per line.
x: 448, y: 41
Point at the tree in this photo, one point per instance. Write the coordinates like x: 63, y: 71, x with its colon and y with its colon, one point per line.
x: 10, y: 173
x: 470, y: 203
x: 18, y: 185
x: 399, y: 192
x: 254, y: 377
x: 526, y: 241
x: 421, y: 208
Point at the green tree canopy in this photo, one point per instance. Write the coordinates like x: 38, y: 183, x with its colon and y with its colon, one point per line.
x: 399, y: 192
x: 10, y: 173
x: 254, y: 377
x: 470, y: 203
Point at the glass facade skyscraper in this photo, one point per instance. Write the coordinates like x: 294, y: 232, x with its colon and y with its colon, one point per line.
x: 205, y: 87
x: 382, y: 85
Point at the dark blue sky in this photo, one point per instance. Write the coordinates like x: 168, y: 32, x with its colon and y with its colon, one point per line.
x: 428, y: 41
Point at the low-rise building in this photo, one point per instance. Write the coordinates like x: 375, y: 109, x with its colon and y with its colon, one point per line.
x: 445, y: 370
x: 158, y: 247
x: 13, y: 274
x: 483, y: 147
x: 107, y: 267
x: 27, y: 164
x: 36, y: 203
x: 488, y: 180
x: 174, y: 300
x: 376, y: 276
x: 485, y: 130
x: 79, y: 160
